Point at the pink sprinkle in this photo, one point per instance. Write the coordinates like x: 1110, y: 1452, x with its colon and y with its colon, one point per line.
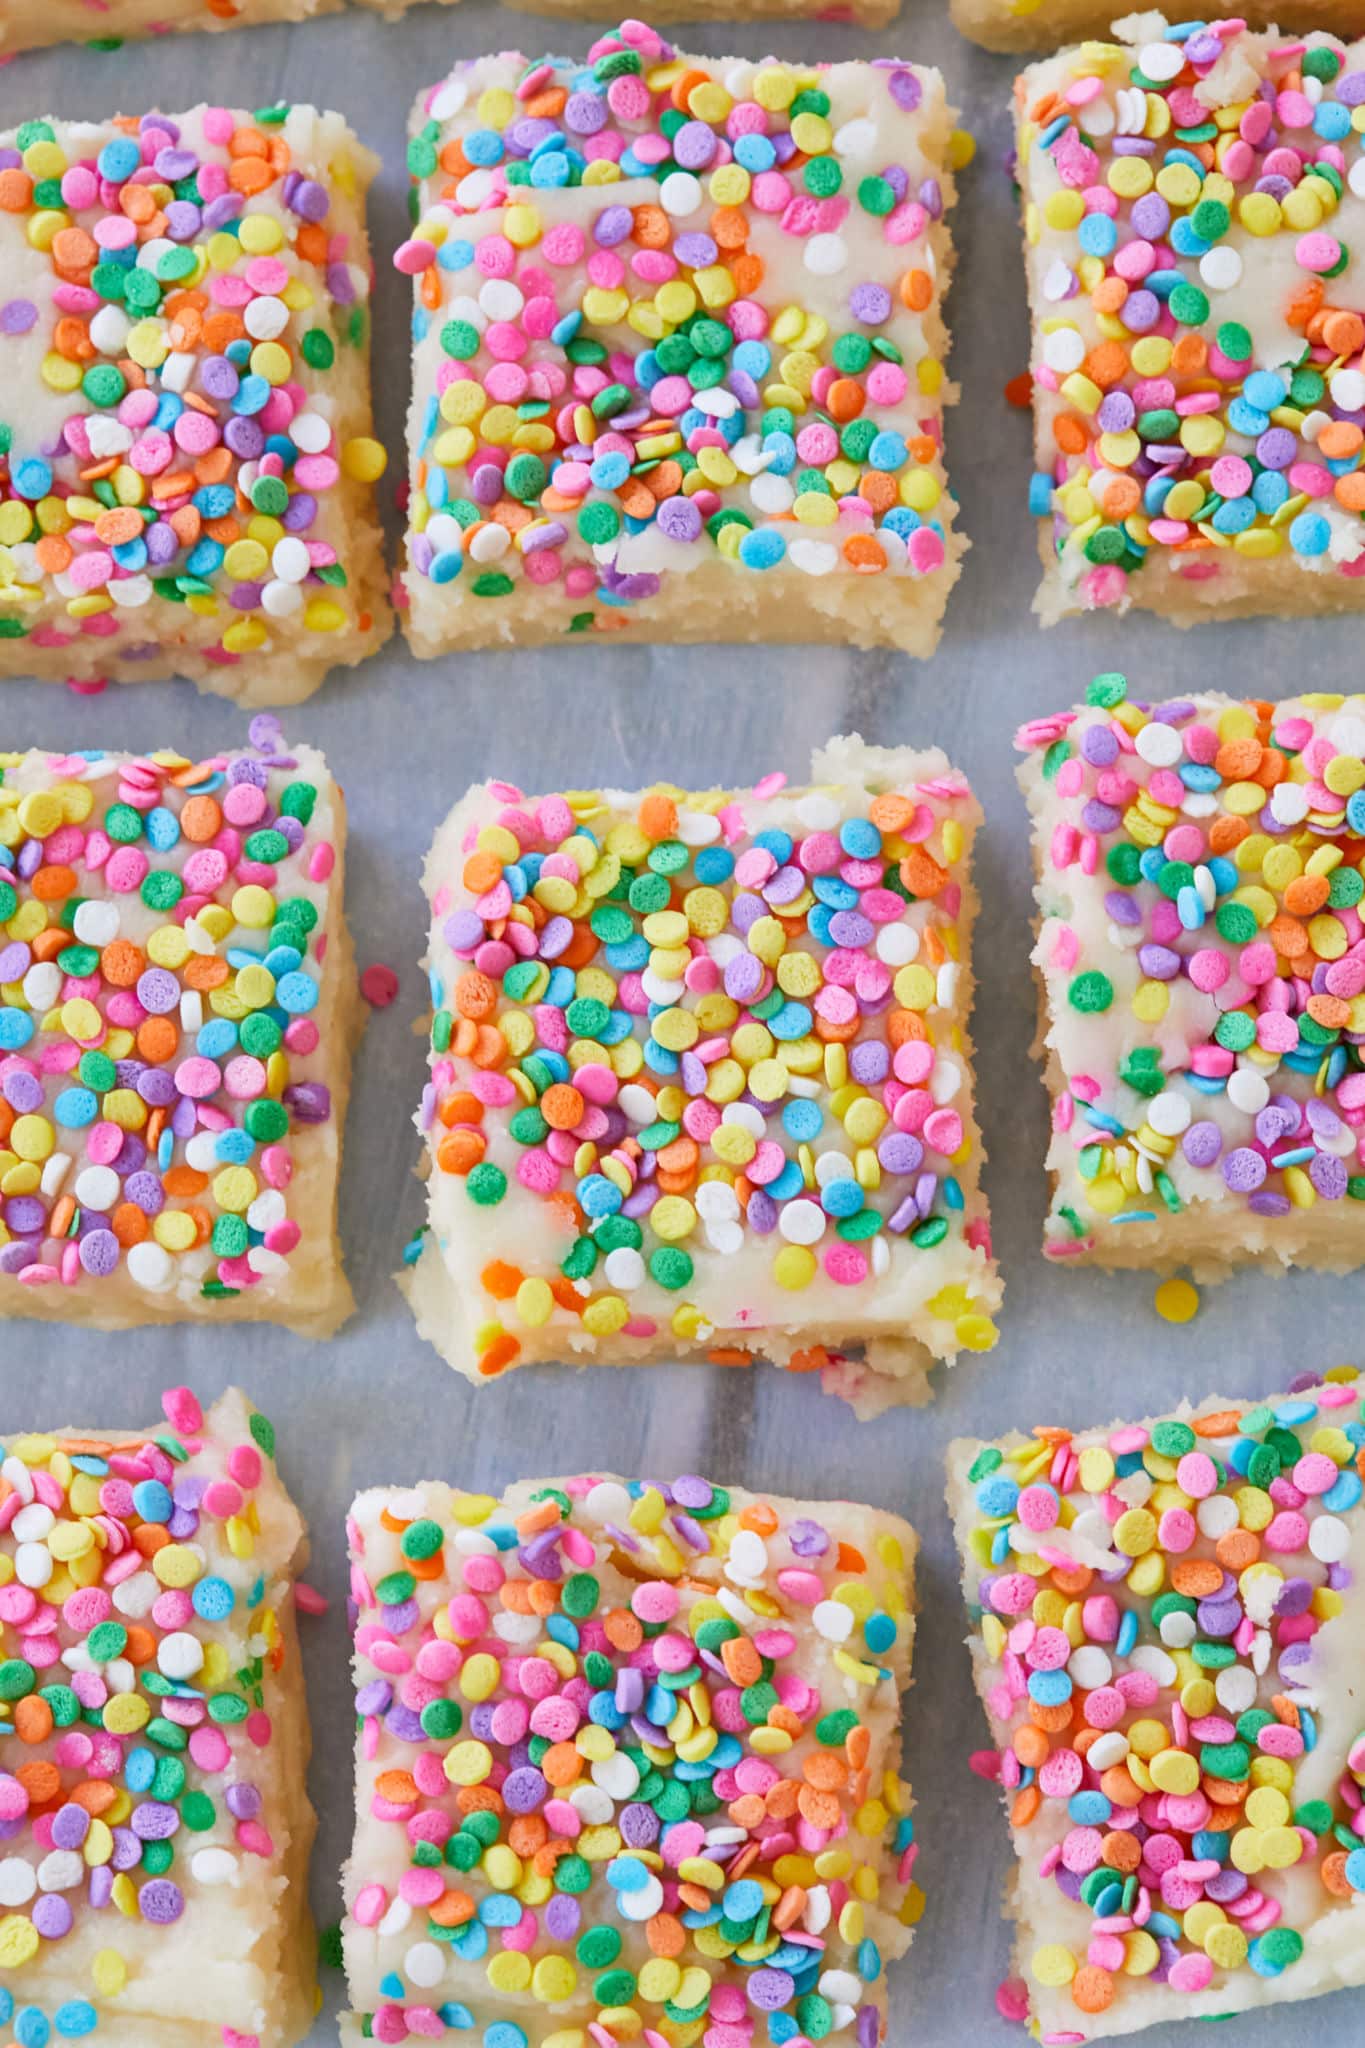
x: 379, y: 986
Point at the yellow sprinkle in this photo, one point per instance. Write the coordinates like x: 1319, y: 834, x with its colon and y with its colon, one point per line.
x: 1177, y: 1301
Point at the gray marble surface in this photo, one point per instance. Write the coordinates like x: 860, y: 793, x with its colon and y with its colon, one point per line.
x: 406, y: 738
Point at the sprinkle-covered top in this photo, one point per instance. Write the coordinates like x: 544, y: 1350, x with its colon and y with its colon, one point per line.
x: 628, y: 1766
x: 698, y: 1068
x: 674, y: 310
x: 183, y: 393
x: 164, y: 926
x: 1200, y: 883
x: 1166, y: 1629
x: 1195, y: 200
x: 143, y: 1614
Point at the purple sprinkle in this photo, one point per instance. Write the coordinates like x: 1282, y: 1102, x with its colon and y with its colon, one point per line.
x: 870, y: 303
x: 154, y: 1822
x: 52, y: 1917
x: 99, y: 1253
x: 808, y: 1538
x: 161, y: 1902
x: 692, y: 1492
x: 1202, y: 1143
x: 243, y: 1801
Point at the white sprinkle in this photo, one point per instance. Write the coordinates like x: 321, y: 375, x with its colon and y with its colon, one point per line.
x: 1221, y: 269
x: 608, y: 1502
x: 679, y: 194
x: 897, y: 944
x: 802, y: 1222
x: 149, y: 1266
x: 624, y: 1268
x: 1248, y: 1091
x: 813, y: 557
x: 1159, y: 744
x: 265, y: 317
x: 1090, y: 1667
x: 424, y: 1964
x: 1063, y: 350
x: 1169, y: 1113
x: 1329, y: 1539
x: 214, y: 1866
x: 833, y: 1620
x: 18, y: 1882
x: 180, y: 1654
x: 748, y: 1559
x: 1162, y: 61
x: 97, y: 1187
x: 96, y: 923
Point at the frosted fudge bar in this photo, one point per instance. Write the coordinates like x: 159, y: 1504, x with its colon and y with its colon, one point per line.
x: 154, y: 1740
x: 1044, y: 24
x: 678, y: 351
x: 33, y: 24
x: 647, y: 1741
x: 1191, y: 201
x: 701, y: 1082
x: 1166, y: 1622
x: 177, y: 1005
x: 186, y: 456
x: 1201, y: 964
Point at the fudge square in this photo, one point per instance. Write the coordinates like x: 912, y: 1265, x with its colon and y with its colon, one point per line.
x: 678, y: 351
x: 154, y: 1741
x: 33, y: 24
x: 1165, y: 1633
x: 701, y: 1082
x: 646, y: 1739
x: 1191, y: 200
x: 1201, y: 970
x: 1045, y: 24
x: 177, y: 1006
x: 186, y: 456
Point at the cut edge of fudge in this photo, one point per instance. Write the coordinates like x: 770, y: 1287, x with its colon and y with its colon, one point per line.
x: 298, y: 662
x: 1210, y: 1239
x: 284, y: 1950
x: 1029, y: 1903
x: 870, y: 1368
x: 895, y: 611
x: 437, y: 1503
x: 318, y: 1308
